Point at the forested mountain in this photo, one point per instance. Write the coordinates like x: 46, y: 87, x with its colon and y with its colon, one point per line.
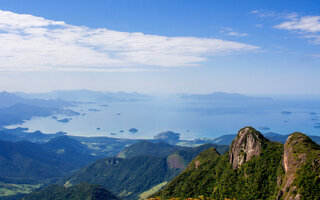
x: 83, y: 191
x: 26, y: 162
x: 254, y: 168
x: 140, y: 171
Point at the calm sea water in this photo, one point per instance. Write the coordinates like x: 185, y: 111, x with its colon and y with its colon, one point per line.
x: 192, y: 119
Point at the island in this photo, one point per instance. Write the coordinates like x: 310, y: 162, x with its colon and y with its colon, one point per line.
x: 133, y: 130
x: 93, y: 110
x: 98, y: 128
x: 286, y: 112
x: 65, y: 120
x: 54, y: 117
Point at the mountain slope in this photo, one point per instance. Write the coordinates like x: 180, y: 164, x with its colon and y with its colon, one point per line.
x: 217, y: 176
x: 134, y: 175
x: 254, y: 168
x: 26, y: 162
x: 146, y: 148
x: 302, y: 168
x: 83, y: 191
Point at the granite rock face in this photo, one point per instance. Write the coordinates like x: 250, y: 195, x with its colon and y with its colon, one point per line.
x: 296, y: 150
x: 247, y: 144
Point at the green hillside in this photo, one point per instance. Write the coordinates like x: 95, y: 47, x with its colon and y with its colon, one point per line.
x: 252, y: 169
x: 82, y: 191
x: 130, y: 177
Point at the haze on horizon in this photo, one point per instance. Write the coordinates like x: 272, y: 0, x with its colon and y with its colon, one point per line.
x: 161, y: 47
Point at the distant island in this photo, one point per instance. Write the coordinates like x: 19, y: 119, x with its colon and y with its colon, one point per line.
x: 65, y: 120
x: 133, y: 130
x: 286, y: 112
x: 93, y: 110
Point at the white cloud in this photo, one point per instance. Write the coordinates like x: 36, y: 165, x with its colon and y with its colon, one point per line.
x: 307, y: 26
x: 30, y: 43
x: 232, y: 33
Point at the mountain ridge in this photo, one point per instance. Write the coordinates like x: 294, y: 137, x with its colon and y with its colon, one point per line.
x: 263, y: 176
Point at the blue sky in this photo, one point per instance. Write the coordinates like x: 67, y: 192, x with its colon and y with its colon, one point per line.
x: 164, y: 46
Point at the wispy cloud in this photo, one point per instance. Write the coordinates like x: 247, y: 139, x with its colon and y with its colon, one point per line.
x: 307, y: 26
x: 231, y: 32
x: 315, y: 55
x: 30, y: 43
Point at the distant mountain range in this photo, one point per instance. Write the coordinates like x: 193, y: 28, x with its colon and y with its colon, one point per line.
x: 10, y: 99
x: 222, y: 96
x: 253, y: 168
x: 86, y: 95
x: 15, y: 109
x: 90, y: 95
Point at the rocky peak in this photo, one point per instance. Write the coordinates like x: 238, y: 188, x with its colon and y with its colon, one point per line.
x: 293, y: 156
x: 296, y: 151
x: 247, y: 144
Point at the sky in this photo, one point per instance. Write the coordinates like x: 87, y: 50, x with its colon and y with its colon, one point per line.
x: 161, y: 46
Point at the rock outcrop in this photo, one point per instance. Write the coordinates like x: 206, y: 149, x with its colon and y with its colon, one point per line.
x: 247, y: 144
x: 299, y: 151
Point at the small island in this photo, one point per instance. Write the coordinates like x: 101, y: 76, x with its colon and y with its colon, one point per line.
x: 98, y: 128
x: 113, y: 134
x: 312, y: 113
x: 93, y: 110
x: 286, y: 112
x: 133, y: 130
x: 54, y: 117
x: 65, y: 120
x: 105, y: 105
